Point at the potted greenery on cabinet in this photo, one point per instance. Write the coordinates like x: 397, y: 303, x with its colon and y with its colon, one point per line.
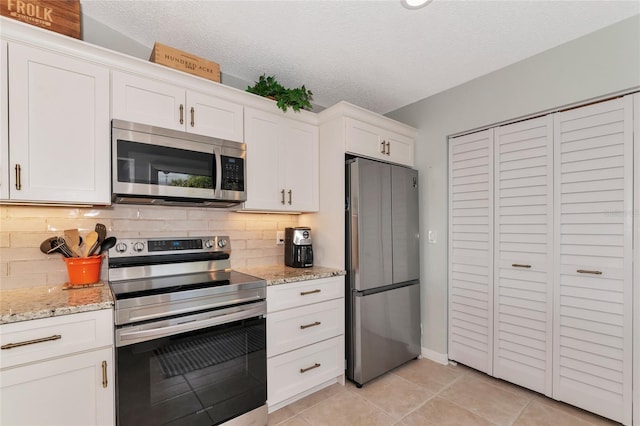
x: 297, y: 98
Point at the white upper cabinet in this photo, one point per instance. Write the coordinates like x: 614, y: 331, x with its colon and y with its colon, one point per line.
x: 282, y: 163
x: 153, y: 102
x: 523, y: 267
x: 58, y: 140
x: 377, y: 142
x: 593, y: 263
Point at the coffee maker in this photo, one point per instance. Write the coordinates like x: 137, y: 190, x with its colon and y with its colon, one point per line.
x: 298, y: 252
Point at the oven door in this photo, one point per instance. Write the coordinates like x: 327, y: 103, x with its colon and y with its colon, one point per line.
x: 202, y: 369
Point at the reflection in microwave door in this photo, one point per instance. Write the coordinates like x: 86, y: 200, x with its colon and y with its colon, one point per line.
x: 184, y: 180
x: 126, y: 169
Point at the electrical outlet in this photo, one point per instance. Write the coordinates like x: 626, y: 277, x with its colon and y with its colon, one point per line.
x: 279, y: 237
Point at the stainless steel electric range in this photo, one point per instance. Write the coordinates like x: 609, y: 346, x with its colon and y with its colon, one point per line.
x: 190, y: 334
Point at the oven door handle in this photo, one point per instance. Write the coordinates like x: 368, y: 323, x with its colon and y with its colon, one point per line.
x: 125, y: 337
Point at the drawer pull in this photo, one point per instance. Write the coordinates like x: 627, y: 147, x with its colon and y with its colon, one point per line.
x: 31, y: 342
x: 304, y: 293
x: 302, y: 327
x: 586, y: 271
x: 304, y: 370
x: 104, y: 374
x: 520, y: 265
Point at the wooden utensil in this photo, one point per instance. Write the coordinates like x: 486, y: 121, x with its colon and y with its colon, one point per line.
x: 72, y: 239
x: 90, y: 243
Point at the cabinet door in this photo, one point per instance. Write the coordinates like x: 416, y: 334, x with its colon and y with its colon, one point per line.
x: 399, y: 148
x: 471, y: 250
x: 523, y: 292
x: 59, y: 128
x: 211, y: 116
x: 593, y: 271
x: 73, y: 390
x: 147, y: 101
x: 263, y: 136
x: 299, y: 157
x: 364, y: 139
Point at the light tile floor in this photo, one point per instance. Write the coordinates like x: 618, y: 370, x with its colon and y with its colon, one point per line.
x: 424, y: 393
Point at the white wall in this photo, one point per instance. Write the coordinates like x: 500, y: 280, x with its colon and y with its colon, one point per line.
x: 598, y: 64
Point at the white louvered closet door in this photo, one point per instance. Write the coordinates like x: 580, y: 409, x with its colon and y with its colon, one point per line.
x: 471, y: 250
x: 593, y: 235
x: 636, y: 271
x: 523, y: 261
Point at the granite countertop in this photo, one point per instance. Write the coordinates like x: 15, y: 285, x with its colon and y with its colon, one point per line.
x: 281, y: 274
x: 49, y: 301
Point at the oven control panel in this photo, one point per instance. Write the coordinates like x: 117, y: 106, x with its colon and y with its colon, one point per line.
x: 131, y: 247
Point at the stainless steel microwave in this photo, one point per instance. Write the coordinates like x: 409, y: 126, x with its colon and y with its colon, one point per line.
x: 152, y: 165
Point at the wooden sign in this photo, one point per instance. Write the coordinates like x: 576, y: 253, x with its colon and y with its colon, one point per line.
x: 179, y: 60
x: 61, y: 16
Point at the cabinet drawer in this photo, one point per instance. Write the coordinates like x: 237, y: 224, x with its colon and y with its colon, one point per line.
x: 292, y: 295
x: 297, y: 327
x: 77, y: 332
x: 300, y: 370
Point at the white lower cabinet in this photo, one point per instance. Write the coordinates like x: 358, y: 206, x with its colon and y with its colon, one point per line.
x: 305, y: 338
x: 58, y: 371
x: 541, y: 255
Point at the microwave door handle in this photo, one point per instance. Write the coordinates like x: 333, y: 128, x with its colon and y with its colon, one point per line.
x: 217, y: 153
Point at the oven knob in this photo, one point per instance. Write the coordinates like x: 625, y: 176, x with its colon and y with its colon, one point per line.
x: 138, y: 247
x: 222, y: 243
x: 208, y: 243
x: 121, y: 247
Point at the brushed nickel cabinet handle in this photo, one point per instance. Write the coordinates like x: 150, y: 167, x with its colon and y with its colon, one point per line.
x: 181, y: 114
x: 586, y: 271
x: 313, y: 324
x: 18, y: 177
x: 304, y: 370
x: 193, y: 117
x: 282, y: 195
x: 388, y: 148
x: 383, y: 147
x: 31, y: 342
x: 104, y: 374
x: 290, y: 197
x: 520, y: 265
x: 304, y: 293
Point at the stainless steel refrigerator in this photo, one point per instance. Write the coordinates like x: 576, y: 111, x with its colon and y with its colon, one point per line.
x: 383, y: 268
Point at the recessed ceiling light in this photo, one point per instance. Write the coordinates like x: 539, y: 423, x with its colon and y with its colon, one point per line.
x: 415, y: 4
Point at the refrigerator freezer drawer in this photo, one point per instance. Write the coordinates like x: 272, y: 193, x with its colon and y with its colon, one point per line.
x: 386, y: 331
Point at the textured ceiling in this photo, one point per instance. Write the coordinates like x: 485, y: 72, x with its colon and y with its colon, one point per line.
x: 376, y: 54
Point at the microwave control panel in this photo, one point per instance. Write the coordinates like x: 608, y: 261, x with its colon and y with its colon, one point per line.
x: 232, y: 173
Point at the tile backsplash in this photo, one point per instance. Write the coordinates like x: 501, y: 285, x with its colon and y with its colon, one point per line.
x: 23, y: 228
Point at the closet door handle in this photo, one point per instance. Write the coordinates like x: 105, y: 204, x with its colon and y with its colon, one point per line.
x: 193, y: 117
x: 520, y: 265
x: 586, y: 271
x: 18, y: 177
x: 181, y: 114
x: 282, y: 197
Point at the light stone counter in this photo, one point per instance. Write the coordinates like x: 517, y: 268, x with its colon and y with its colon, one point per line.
x: 49, y: 301
x: 281, y: 274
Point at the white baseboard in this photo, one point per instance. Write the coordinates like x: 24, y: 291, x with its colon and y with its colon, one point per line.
x: 435, y: 356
